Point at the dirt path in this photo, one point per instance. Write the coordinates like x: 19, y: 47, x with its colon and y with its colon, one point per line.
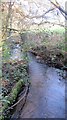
x: 46, y: 98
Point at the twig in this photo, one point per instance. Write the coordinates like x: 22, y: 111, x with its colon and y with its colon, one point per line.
x: 51, y: 23
x: 25, y: 95
x: 13, y: 29
x: 31, y: 17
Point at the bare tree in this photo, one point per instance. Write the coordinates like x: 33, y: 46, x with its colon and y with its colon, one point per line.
x: 25, y: 20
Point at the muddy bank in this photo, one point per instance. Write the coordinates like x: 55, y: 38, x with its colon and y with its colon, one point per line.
x: 53, y: 57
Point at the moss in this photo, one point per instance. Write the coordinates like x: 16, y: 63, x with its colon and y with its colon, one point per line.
x: 1, y: 117
x: 12, y: 98
x: 5, y: 51
x: 15, y: 91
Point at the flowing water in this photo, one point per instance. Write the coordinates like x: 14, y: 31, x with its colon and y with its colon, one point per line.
x: 16, y: 53
x: 46, y: 98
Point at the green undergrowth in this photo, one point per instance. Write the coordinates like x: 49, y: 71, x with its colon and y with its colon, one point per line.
x: 14, y: 78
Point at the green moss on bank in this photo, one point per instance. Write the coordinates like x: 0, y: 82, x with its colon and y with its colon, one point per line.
x: 11, y: 99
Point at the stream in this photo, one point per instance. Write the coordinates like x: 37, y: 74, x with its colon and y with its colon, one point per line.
x: 46, y: 97
x: 16, y: 53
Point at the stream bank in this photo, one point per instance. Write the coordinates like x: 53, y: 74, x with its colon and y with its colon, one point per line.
x: 14, y: 75
x: 51, y: 56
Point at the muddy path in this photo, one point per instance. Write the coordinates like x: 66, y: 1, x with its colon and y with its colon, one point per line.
x: 46, y: 97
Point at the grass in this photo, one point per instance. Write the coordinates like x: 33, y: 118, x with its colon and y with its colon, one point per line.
x: 57, y: 29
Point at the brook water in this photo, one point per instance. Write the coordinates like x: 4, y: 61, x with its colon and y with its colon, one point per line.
x: 46, y: 98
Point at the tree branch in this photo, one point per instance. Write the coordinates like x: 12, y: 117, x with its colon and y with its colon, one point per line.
x: 12, y: 29
x: 40, y: 15
x: 57, y: 5
x: 51, y: 23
